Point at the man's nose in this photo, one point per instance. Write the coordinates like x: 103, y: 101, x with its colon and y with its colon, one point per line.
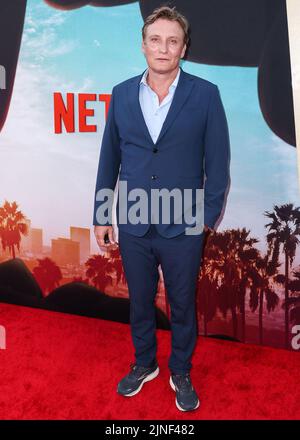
x: 163, y: 47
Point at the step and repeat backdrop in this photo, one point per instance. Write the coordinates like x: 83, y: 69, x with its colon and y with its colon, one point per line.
x: 59, y: 61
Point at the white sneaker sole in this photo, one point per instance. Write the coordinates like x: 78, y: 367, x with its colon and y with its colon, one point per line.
x: 177, y: 404
x: 147, y: 379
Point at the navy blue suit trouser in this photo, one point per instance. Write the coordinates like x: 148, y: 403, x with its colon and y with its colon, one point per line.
x: 180, y: 259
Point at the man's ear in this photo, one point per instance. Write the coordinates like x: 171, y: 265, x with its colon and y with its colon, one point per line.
x: 183, y: 51
x: 143, y: 46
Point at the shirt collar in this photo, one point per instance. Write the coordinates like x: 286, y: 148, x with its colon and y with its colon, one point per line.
x: 173, y: 85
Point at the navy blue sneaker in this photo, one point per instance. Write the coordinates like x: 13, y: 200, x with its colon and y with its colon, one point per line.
x: 132, y: 383
x: 186, y: 396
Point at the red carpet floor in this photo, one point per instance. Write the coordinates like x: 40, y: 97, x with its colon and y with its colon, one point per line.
x: 61, y: 366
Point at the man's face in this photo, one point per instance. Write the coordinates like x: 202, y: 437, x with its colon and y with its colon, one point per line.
x: 163, y: 45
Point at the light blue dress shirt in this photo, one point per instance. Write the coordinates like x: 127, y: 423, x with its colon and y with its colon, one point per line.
x: 153, y: 112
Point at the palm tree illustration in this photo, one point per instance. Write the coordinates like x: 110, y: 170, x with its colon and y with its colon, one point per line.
x: 228, y: 258
x: 246, y: 257
x: 12, y: 227
x: 99, y: 270
x: 261, y: 290
x: 294, y: 298
x: 47, y: 274
x: 284, y: 230
x: 114, y: 258
x: 207, y: 288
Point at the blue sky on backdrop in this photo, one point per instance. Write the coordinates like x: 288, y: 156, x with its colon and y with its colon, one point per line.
x: 91, y: 49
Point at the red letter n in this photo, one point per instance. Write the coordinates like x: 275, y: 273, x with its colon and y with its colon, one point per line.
x: 61, y: 113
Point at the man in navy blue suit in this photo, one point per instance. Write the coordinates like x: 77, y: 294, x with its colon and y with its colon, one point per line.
x: 166, y: 130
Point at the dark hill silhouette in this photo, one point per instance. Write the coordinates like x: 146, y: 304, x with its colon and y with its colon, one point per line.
x: 223, y: 337
x: 12, y: 296
x: 18, y: 286
x: 82, y: 299
x: 15, y: 275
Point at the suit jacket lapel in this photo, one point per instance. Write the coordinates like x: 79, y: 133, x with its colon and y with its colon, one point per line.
x: 182, y: 91
x: 134, y: 104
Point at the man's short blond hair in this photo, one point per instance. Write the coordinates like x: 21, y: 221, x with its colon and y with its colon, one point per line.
x: 167, y: 13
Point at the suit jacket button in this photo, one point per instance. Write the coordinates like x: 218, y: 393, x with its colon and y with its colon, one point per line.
x: 155, y: 150
x: 153, y: 177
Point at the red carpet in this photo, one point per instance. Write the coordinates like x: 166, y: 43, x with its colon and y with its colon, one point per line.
x: 61, y: 366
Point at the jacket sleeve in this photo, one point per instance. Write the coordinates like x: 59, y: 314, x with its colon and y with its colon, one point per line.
x: 109, y: 162
x: 216, y: 159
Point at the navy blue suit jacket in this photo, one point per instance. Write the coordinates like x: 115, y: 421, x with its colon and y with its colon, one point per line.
x: 192, y: 150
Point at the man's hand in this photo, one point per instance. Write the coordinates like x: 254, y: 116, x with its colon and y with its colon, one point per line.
x: 100, y: 233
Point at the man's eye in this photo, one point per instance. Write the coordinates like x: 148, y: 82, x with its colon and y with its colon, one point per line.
x: 173, y: 41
